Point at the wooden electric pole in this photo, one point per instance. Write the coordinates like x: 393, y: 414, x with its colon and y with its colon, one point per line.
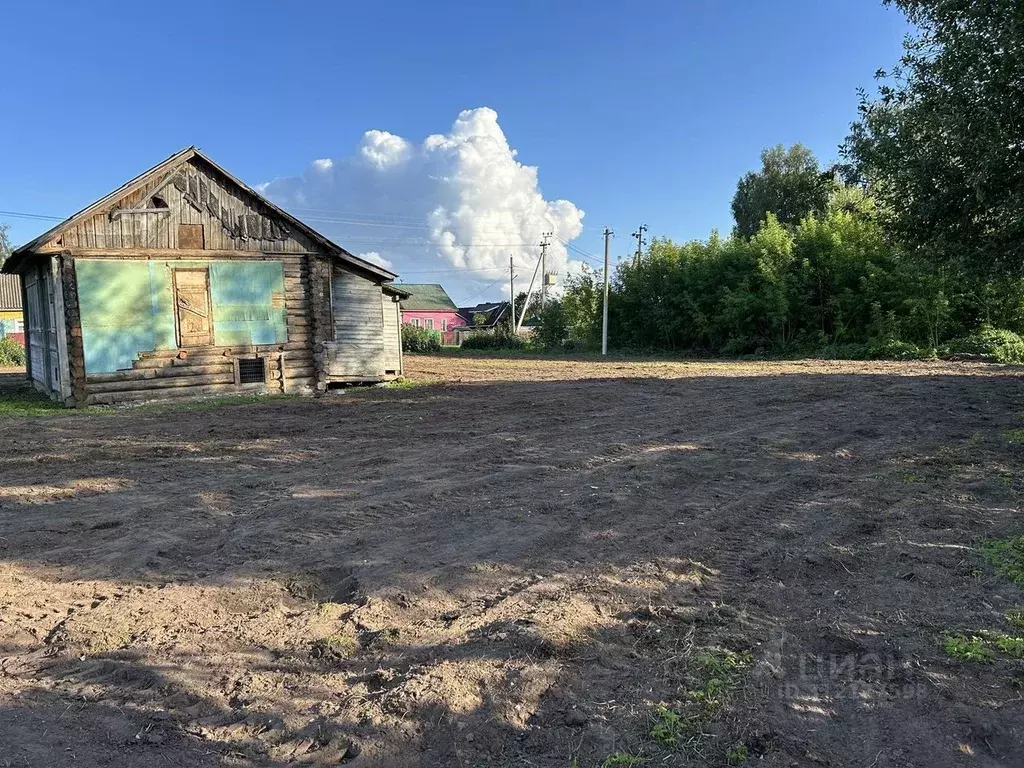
x: 604, y: 324
x: 544, y: 270
x: 512, y: 292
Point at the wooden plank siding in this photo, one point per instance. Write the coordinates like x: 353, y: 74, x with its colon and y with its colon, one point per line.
x: 392, y: 336
x: 124, y: 228
x: 357, y: 350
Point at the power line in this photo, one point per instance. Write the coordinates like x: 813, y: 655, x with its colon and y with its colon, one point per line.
x: 482, y: 291
x: 367, y: 240
x: 449, y: 271
x: 580, y: 252
x: 17, y: 215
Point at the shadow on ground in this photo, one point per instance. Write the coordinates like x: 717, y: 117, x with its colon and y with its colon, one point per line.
x: 515, y: 574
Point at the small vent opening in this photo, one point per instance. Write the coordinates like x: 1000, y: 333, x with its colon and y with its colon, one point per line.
x: 157, y: 202
x: 252, y: 370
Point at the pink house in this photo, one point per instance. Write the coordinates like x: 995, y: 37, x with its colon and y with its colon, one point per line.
x: 429, y: 306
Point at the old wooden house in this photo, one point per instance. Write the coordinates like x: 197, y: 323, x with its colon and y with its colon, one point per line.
x: 185, y: 281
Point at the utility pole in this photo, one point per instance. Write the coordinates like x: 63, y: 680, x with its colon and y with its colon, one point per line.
x: 604, y: 324
x: 529, y: 293
x: 512, y: 292
x: 544, y: 270
x: 639, y: 235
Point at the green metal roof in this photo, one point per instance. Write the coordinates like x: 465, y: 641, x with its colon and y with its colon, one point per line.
x: 426, y: 297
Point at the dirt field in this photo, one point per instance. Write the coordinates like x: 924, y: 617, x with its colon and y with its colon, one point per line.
x: 531, y: 563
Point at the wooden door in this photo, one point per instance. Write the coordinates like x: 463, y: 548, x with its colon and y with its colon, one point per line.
x: 192, y: 307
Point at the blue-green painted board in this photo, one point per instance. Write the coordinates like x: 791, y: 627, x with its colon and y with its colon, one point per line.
x: 242, y: 293
x: 127, y: 307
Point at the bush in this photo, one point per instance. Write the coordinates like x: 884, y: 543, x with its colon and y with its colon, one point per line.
x: 12, y: 354
x: 553, y: 330
x: 502, y: 338
x: 420, y: 339
x: 999, y: 345
x: 894, y: 349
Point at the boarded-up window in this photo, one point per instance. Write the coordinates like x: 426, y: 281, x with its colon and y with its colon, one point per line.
x: 190, y: 237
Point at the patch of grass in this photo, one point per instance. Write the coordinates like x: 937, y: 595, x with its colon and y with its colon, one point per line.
x: 1011, y: 646
x: 1014, y: 436
x: 737, y: 755
x: 669, y: 727
x: 28, y: 402
x: 337, y: 646
x: 406, y: 384
x: 1007, y: 555
x: 721, y: 672
x: 713, y: 678
x: 972, y: 648
x: 622, y: 760
x: 1015, y: 618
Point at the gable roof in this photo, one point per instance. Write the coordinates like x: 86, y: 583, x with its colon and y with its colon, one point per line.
x: 495, y: 310
x: 427, y: 297
x: 175, y: 160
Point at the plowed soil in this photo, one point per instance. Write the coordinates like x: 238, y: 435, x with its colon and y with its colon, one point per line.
x: 521, y: 563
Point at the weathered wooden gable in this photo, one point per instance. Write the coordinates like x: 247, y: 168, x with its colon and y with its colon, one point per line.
x: 191, y: 207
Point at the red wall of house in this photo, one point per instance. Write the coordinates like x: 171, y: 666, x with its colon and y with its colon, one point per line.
x: 453, y: 318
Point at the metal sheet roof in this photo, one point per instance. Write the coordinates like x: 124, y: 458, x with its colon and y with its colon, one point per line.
x: 10, y: 292
x: 426, y: 297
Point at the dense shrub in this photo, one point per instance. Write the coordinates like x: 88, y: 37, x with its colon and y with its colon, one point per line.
x: 553, y: 329
x: 12, y: 354
x: 501, y: 338
x: 833, y: 285
x: 894, y: 349
x: 999, y: 345
x: 420, y: 339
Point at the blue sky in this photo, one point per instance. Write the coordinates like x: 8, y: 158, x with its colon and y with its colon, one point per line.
x: 642, y: 111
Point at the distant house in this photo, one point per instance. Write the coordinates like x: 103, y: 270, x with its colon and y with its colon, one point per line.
x: 12, y: 324
x: 485, y: 315
x: 429, y: 306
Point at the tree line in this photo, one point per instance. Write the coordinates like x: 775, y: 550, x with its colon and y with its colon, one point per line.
x: 912, y: 244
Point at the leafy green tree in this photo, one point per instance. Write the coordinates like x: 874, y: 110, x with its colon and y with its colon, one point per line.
x: 583, y: 305
x: 790, y: 185
x: 5, y: 243
x: 552, y: 331
x: 941, y: 144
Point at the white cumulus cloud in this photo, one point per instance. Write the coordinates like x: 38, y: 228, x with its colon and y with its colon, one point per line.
x: 447, y: 209
x: 375, y: 258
